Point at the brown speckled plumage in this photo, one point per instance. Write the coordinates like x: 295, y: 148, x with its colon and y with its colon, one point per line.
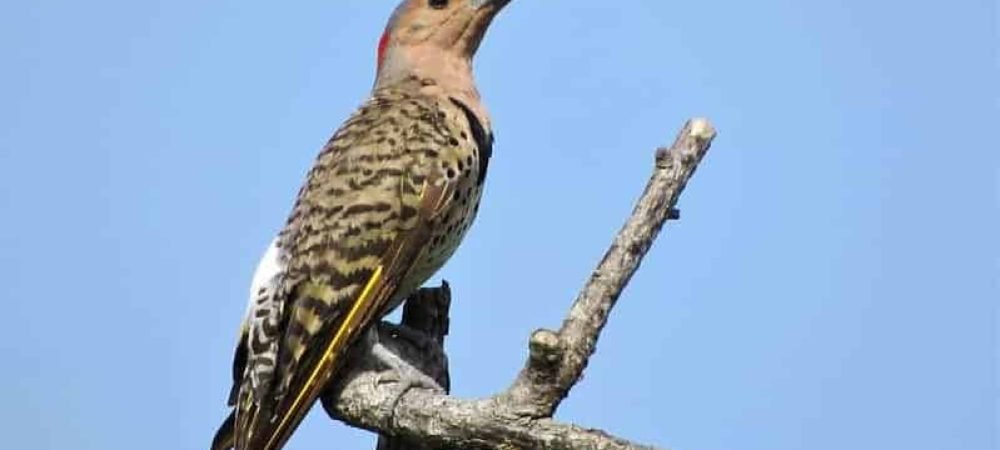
x: 363, y: 191
x: 387, y: 202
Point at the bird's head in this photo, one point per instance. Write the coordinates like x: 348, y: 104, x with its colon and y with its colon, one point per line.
x: 433, y: 37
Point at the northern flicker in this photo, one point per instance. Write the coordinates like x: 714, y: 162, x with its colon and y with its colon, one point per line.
x: 386, y: 204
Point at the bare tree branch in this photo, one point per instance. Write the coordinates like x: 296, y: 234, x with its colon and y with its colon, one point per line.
x: 519, y: 417
x: 558, y: 358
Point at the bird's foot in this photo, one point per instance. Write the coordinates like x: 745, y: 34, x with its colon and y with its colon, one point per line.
x: 403, y: 375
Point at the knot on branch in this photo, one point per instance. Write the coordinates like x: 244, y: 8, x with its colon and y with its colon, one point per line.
x: 545, y: 348
x: 690, y: 146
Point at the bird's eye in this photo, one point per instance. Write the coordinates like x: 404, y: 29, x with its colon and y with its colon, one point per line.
x: 438, y: 4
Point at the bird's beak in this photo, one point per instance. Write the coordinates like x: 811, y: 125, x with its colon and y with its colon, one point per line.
x: 482, y: 14
x: 493, y: 6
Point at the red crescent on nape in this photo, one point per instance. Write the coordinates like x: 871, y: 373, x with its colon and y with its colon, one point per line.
x: 383, y: 44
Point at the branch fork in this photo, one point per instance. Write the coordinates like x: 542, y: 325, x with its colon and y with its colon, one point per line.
x: 521, y: 416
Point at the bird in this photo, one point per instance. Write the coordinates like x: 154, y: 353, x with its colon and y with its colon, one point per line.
x: 387, y: 202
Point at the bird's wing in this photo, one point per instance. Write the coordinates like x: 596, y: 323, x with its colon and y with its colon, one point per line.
x: 361, y: 222
x: 381, y: 286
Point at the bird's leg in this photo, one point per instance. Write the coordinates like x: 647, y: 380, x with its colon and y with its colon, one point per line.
x: 400, y: 372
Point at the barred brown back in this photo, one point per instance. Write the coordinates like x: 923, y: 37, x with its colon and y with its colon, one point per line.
x: 363, y: 191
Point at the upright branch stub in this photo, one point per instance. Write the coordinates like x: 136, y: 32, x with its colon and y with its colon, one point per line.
x: 557, y: 359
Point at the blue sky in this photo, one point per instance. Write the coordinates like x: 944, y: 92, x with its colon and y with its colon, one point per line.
x: 831, y: 285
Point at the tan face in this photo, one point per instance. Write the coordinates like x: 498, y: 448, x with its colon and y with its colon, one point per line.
x: 451, y: 26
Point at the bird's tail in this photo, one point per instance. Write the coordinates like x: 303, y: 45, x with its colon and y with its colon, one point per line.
x: 225, y: 438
